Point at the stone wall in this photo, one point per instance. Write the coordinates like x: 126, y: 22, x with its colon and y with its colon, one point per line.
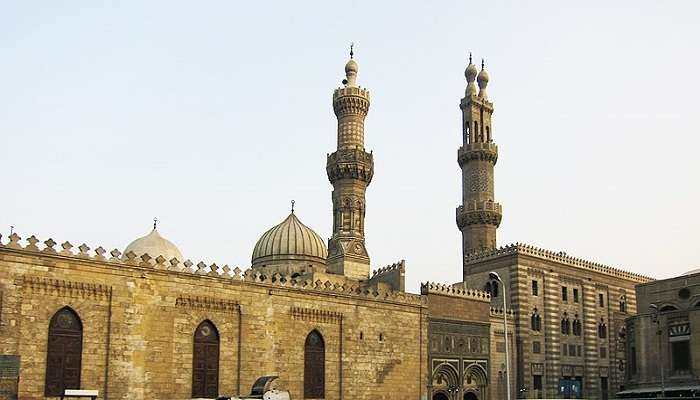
x: 139, y: 319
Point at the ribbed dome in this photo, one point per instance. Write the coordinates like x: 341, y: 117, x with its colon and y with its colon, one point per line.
x: 289, y: 241
x: 154, y: 245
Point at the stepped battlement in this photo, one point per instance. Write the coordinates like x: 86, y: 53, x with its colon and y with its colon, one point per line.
x: 560, y: 257
x: 15, y: 244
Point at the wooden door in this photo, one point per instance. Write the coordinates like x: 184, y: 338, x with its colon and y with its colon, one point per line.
x: 314, y: 366
x: 205, y: 361
x: 64, y: 353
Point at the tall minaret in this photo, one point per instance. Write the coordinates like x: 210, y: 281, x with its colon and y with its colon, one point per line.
x: 479, y: 215
x: 350, y: 170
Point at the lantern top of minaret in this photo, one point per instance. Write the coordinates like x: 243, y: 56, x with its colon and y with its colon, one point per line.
x: 351, y: 69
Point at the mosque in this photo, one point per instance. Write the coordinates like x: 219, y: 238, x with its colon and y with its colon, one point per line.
x: 146, y: 323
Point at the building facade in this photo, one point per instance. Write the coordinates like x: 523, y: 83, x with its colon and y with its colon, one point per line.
x: 663, y: 356
x: 145, y: 323
x: 567, y: 310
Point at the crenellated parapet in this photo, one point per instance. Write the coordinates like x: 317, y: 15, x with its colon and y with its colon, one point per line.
x: 559, y: 257
x: 32, y: 247
x: 454, y: 291
x: 393, y: 275
x: 498, y: 312
x: 395, y: 267
x: 350, y: 164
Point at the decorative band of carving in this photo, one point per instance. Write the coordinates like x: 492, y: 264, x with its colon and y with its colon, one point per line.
x: 350, y: 104
x: 479, y: 216
x: 208, y: 303
x: 58, y: 287
x: 350, y: 164
x: 477, y: 151
x: 310, y: 314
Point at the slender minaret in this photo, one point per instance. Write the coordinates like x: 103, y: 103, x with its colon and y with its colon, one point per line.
x: 350, y: 170
x: 479, y: 215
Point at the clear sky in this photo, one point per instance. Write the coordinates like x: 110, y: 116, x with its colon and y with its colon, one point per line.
x: 213, y: 115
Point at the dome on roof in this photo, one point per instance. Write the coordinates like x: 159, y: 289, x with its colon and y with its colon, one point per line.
x: 154, y: 245
x: 693, y: 271
x: 289, y: 242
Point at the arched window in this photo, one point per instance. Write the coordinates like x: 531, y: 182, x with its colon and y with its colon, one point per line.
x: 314, y: 366
x: 668, y: 308
x: 467, y: 139
x: 494, y: 288
x: 488, y: 134
x: 476, y: 131
x: 535, y: 321
x: 487, y: 288
x: 623, y: 303
x: 205, y: 361
x: 602, y: 329
x: 64, y: 352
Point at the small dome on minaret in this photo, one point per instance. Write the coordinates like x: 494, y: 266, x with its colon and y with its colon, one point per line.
x: 351, y: 70
x: 470, y: 74
x: 483, y: 81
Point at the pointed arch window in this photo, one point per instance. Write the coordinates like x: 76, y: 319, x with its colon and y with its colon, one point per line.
x: 314, y: 366
x: 205, y: 361
x: 64, y: 352
x: 536, y: 321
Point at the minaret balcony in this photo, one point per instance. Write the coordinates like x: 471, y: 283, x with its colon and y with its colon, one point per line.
x: 350, y: 164
x: 485, y: 212
x: 482, y: 151
x: 351, y: 100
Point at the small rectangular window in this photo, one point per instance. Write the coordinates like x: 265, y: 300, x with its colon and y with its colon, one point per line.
x: 600, y: 300
x: 564, y: 349
x: 536, y: 347
x: 564, y: 294
x: 575, y: 295
x: 572, y: 350
x: 535, y: 289
x: 680, y: 354
x: 603, y: 352
x: 578, y: 350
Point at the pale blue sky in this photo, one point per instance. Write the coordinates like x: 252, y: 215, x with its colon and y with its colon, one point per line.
x: 213, y: 115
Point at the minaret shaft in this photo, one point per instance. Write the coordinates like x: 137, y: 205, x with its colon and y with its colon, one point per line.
x: 479, y: 215
x: 350, y: 169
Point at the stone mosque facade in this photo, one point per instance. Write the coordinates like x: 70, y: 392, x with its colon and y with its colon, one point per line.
x: 146, y: 323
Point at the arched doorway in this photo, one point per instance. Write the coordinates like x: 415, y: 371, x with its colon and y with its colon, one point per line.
x: 440, y: 396
x: 445, y: 380
x: 314, y: 366
x: 64, y: 352
x: 205, y: 361
x: 475, y: 383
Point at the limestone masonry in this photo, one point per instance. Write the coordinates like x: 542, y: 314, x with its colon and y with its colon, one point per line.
x: 149, y: 324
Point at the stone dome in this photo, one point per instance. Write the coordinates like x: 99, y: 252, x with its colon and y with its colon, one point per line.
x: 154, y: 245
x: 289, y: 242
x: 692, y: 272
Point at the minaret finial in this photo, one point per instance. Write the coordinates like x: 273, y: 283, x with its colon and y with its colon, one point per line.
x: 155, y: 222
x: 470, y: 57
x: 12, y: 229
x: 352, y: 45
x: 292, y: 206
x: 482, y: 63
